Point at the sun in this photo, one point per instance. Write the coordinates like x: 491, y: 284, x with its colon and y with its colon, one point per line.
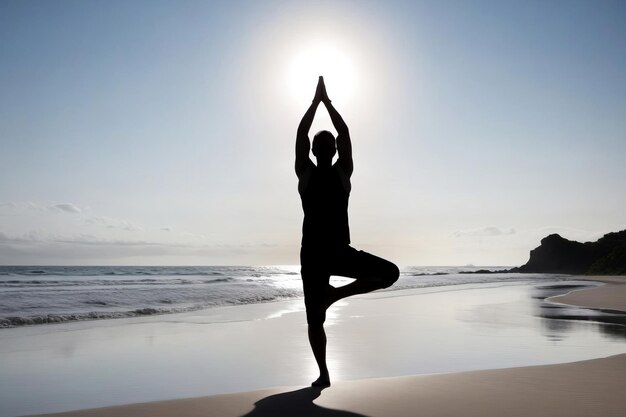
x: 325, y: 59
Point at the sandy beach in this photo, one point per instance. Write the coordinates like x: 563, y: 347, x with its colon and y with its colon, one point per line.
x: 609, y: 296
x: 208, y: 207
x: 592, y: 387
x: 589, y: 388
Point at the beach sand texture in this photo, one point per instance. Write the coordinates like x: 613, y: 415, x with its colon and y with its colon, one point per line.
x: 610, y: 296
x: 586, y: 389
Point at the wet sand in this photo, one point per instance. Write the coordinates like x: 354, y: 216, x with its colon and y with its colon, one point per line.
x: 585, y: 388
x: 579, y: 389
x: 608, y: 297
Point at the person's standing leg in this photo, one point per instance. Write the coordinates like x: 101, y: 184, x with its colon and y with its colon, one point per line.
x: 316, y: 289
x: 317, y: 339
x: 315, y: 283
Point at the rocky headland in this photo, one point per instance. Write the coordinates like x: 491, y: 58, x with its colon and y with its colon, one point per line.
x: 606, y: 256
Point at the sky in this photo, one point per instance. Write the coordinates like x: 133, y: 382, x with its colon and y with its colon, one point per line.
x: 163, y: 132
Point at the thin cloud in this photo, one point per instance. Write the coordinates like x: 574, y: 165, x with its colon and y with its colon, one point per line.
x: 66, y: 207
x: 489, y: 231
x: 110, y: 223
x: 60, y: 207
x: 37, y: 237
x: 85, y: 248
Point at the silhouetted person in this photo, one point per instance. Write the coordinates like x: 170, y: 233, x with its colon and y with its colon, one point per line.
x: 324, y: 190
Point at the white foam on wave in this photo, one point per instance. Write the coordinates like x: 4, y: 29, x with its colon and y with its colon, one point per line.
x: 61, y: 294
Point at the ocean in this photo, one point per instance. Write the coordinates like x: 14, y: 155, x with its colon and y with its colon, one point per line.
x: 35, y: 295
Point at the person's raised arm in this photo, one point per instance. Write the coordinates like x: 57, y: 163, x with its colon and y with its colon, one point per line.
x: 344, y: 145
x: 303, y: 145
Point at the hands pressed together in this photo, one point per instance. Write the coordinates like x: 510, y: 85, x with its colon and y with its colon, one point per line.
x: 303, y: 145
x: 320, y: 92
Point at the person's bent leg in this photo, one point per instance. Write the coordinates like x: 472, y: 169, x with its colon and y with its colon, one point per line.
x: 354, y: 288
x: 369, y: 271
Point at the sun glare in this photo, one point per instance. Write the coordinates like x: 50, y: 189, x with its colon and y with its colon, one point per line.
x: 321, y: 59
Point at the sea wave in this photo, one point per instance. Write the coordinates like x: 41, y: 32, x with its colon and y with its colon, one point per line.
x: 103, y: 282
x: 28, y: 320
x: 87, y: 271
x: 91, y: 315
x: 62, y: 294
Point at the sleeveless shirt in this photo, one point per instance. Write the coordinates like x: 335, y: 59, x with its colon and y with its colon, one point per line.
x: 325, y: 205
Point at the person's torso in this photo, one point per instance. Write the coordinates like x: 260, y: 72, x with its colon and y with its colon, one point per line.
x: 325, y: 204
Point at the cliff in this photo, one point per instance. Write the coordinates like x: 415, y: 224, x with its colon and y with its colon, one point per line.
x: 556, y: 254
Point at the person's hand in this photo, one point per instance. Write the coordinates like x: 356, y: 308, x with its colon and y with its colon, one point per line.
x: 320, y: 91
x: 325, y: 98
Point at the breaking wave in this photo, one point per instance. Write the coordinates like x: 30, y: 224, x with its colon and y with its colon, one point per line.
x: 44, y: 295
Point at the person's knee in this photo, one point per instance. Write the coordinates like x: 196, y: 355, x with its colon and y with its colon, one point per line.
x: 315, y: 318
x: 315, y: 321
x: 315, y: 328
x: 391, y: 276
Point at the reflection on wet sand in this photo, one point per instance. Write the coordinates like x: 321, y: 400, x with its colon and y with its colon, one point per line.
x: 561, y: 319
x: 405, y: 332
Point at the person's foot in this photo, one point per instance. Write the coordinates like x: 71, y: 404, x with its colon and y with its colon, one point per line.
x: 322, y: 381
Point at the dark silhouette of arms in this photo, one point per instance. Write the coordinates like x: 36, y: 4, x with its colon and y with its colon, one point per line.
x: 303, y: 145
x: 344, y: 145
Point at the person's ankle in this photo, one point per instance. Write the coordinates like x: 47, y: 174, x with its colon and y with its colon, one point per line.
x: 322, y: 381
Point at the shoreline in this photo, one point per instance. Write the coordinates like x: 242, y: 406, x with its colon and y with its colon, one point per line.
x: 607, y: 297
x: 581, y: 388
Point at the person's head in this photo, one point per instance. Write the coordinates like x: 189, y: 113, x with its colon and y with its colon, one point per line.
x: 324, y: 147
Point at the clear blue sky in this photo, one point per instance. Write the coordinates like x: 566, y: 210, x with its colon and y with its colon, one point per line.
x: 148, y: 132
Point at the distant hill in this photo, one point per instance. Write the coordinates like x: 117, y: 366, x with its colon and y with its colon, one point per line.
x: 606, y: 256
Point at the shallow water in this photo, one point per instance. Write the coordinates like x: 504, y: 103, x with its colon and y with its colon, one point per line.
x: 39, y: 295
x: 238, y: 348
